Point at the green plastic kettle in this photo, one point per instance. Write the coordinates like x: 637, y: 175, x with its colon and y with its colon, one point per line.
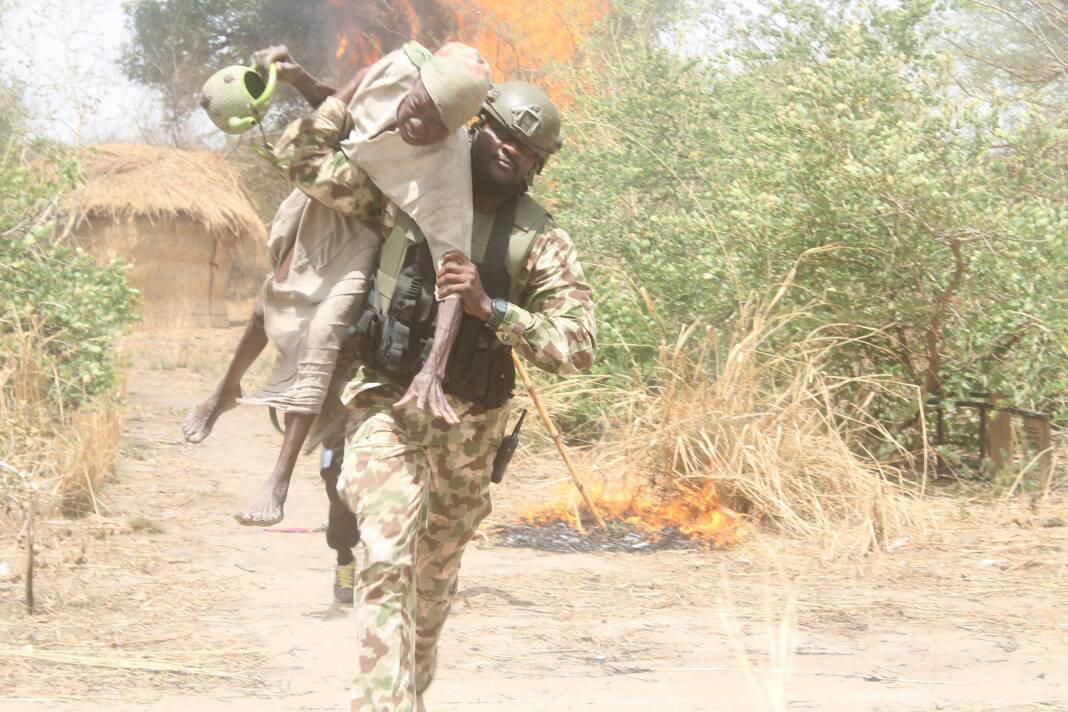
x: 236, y: 98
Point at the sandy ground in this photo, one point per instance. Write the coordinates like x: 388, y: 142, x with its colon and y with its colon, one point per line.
x: 163, y: 602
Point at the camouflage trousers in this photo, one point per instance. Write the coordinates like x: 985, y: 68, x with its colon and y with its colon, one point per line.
x: 419, y: 490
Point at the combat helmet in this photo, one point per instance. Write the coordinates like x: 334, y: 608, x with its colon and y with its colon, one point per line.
x: 528, y: 114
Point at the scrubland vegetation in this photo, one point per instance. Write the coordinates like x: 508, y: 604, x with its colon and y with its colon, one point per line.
x: 60, y: 318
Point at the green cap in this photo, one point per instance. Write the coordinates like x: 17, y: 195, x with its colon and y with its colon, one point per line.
x: 455, y: 90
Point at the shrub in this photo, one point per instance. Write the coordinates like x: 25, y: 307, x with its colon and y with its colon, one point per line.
x: 692, y: 185
x: 77, y: 308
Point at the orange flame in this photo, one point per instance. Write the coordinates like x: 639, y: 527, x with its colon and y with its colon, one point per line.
x: 520, y: 40
x: 697, y: 515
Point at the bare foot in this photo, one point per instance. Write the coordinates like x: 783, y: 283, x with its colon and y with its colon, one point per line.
x: 198, y: 424
x: 267, y: 508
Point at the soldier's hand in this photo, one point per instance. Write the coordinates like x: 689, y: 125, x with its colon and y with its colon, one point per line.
x: 459, y: 275
x: 277, y: 54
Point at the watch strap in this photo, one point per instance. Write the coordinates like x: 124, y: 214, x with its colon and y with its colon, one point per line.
x: 498, y: 310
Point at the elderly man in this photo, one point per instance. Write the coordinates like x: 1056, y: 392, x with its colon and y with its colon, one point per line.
x: 418, y: 486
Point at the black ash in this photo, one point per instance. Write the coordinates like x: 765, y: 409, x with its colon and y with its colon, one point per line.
x: 617, y: 536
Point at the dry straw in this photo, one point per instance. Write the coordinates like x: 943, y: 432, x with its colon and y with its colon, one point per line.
x: 158, y: 183
x: 65, y: 455
x: 771, y: 430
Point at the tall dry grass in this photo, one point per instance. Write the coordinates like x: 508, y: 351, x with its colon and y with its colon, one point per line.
x: 781, y: 442
x: 56, y: 455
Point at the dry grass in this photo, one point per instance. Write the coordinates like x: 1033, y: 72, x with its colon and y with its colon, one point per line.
x: 161, y: 183
x: 768, y: 430
x: 113, y: 622
x: 110, y: 621
x: 779, y: 441
x: 62, y: 456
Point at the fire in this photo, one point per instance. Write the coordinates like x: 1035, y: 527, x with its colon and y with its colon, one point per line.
x: 696, y: 514
x: 519, y: 39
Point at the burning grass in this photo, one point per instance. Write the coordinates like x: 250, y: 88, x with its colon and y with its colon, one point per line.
x: 726, y: 438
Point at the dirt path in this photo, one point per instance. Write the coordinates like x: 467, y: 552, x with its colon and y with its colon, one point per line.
x: 249, y: 615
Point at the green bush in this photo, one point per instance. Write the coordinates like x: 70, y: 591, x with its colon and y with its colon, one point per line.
x: 934, y: 224
x: 79, y: 309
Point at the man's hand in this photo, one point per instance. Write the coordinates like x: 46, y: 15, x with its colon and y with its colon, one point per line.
x: 459, y: 275
x: 425, y: 393
x: 288, y: 70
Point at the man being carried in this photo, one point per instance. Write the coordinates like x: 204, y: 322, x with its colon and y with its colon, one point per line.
x: 418, y: 485
x: 404, y: 139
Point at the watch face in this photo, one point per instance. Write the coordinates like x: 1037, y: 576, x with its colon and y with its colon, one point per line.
x: 498, y: 308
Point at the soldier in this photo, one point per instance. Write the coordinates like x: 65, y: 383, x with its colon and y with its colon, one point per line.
x: 418, y: 486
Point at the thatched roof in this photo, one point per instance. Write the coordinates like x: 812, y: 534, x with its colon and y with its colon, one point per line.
x: 159, y: 183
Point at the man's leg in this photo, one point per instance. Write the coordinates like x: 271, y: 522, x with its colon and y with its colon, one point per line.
x: 269, y: 506
x: 316, y: 363
x: 341, y: 531
x: 459, y: 500
x: 383, y: 480
x: 198, y: 424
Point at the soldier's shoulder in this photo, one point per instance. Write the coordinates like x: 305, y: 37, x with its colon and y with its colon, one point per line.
x: 530, y: 215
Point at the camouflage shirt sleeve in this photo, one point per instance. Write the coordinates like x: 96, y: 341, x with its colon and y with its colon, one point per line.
x: 553, y: 324
x: 309, y: 151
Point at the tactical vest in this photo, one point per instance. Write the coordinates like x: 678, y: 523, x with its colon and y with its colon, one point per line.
x: 396, y: 328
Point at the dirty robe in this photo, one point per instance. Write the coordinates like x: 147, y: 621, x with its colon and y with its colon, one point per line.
x: 307, y: 315
x: 432, y: 184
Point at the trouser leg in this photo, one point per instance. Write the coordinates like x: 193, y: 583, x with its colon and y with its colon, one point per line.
x: 458, y: 502
x: 342, y: 534
x: 384, y: 480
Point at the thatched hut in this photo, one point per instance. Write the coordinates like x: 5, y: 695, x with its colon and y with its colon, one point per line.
x: 176, y: 217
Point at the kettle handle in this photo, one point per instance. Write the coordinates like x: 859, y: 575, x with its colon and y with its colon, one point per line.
x: 241, y: 125
x: 272, y: 82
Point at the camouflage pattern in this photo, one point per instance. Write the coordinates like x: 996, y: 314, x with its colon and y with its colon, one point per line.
x: 419, y: 489
x: 309, y: 151
x: 552, y: 325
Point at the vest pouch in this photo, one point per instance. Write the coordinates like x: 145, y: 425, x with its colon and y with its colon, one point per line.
x: 392, y: 349
x: 366, y: 331
x: 399, y: 337
x: 501, y: 384
x: 405, y: 304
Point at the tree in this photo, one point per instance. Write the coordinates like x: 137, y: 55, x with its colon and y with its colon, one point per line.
x: 1019, y: 46
x: 177, y: 44
x: 933, y: 226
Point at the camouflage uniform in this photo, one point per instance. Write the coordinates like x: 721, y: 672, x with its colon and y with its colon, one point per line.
x: 420, y: 488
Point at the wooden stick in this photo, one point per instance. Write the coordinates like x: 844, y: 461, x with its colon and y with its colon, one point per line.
x: 555, y: 435
x: 29, y: 551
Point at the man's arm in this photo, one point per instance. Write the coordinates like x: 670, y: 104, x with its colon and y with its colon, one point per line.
x: 309, y: 151
x: 313, y: 91
x: 553, y: 325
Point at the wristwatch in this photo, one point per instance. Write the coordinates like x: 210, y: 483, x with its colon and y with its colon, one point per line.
x: 498, y: 308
